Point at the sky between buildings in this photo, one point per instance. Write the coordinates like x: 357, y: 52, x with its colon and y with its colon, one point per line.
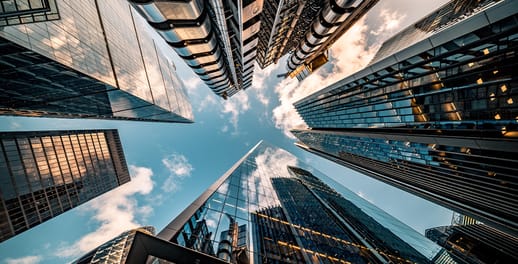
x: 172, y: 164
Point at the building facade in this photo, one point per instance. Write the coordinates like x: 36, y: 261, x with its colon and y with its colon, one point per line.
x: 271, y: 208
x: 45, y: 173
x: 475, y: 243
x: 90, y: 59
x: 116, y: 250
x: 222, y: 39
x: 433, y: 114
x: 216, y: 38
x: 318, y: 24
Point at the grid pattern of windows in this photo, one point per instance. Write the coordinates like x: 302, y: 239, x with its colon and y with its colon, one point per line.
x: 14, y: 12
x: 99, y: 60
x: 43, y: 174
x: 470, y: 175
x: 437, y: 118
x: 266, y: 210
x: 467, y: 82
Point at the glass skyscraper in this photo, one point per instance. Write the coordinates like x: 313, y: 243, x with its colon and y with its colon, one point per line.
x: 45, y: 173
x: 434, y: 113
x: 93, y: 59
x: 475, y: 243
x: 271, y: 208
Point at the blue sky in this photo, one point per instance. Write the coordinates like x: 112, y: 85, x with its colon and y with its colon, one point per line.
x: 171, y: 164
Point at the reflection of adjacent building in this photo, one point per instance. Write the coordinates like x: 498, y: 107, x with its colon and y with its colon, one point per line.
x: 98, y: 60
x: 267, y: 209
x: 433, y: 114
x: 475, y: 243
x: 45, y: 173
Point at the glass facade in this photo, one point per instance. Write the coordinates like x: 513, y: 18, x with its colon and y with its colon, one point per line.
x: 99, y: 60
x: 437, y: 118
x: 475, y: 243
x: 45, y: 173
x: 116, y: 250
x: 271, y: 208
x: 467, y: 82
x: 14, y: 12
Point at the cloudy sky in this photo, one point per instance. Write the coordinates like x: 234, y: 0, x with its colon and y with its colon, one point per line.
x: 171, y: 164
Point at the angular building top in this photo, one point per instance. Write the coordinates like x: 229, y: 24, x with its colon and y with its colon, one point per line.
x: 447, y: 15
x: 45, y: 173
x: 271, y: 207
x: 99, y: 60
x: 115, y: 250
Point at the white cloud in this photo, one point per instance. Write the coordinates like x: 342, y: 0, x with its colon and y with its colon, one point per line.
x: 234, y: 106
x: 391, y: 23
x: 24, y: 260
x: 271, y: 161
x: 179, y: 168
x: 115, y: 211
x: 349, y: 54
x: 259, y: 82
x: 193, y: 86
x: 14, y: 125
x: 208, y: 101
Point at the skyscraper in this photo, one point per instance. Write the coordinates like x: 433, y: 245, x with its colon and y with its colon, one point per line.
x: 271, y: 208
x: 217, y: 39
x: 221, y: 40
x: 45, y: 173
x: 93, y: 59
x: 475, y: 243
x: 434, y: 113
x: 307, y: 43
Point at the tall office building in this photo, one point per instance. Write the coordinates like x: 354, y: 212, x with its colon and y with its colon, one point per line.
x: 221, y: 39
x: 87, y: 59
x: 435, y: 113
x: 45, y: 173
x: 271, y: 208
x: 216, y: 38
x: 475, y: 243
